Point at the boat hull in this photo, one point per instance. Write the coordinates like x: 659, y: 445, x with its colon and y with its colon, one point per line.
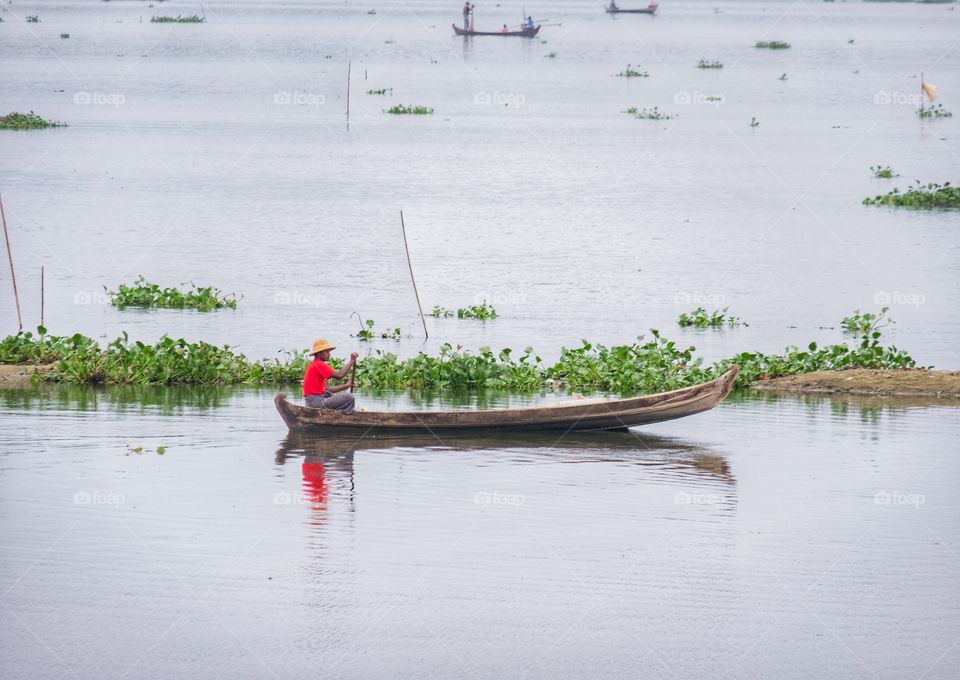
x: 525, y: 33
x: 583, y: 415
x: 645, y: 10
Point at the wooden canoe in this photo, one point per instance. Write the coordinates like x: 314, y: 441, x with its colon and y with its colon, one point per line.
x: 568, y: 416
x: 646, y: 10
x: 525, y: 33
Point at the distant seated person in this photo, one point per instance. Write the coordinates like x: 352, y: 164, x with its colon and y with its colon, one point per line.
x: 504, y: 29
x: 315, y: 389
x: 529, y: 22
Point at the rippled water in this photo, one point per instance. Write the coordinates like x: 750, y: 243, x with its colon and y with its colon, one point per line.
x: 573, y: 219
x: 771, y: 537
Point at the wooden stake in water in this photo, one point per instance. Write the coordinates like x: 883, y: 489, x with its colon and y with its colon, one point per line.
x: 41, y: 296
x: 410, y: 266
x: 13, y: 276
x: 348, y: 91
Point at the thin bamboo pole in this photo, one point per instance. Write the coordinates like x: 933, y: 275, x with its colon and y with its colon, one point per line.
x: 410, y: 266
x: 13, y: 275
x: 348, y: 91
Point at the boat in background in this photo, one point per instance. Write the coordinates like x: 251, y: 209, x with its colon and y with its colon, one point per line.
x: 613, y: 9
x: 525, y: 33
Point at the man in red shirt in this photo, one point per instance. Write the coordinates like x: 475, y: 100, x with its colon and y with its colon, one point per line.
x: 315, y: 389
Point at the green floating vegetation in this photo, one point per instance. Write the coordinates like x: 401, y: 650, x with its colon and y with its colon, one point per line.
x: 647, y: 365
x: 703, y: 63
x: 921, y: 196
x: 192, y: 19
x: 700, y: 318
x: 861, y: 323
x: 935, y: 111
x: 772, y: 45
x: 754, y: 122
x: 882, y: 171
x: 631, y: 72
x: 27, y: 121
x: 400, y: 109
x: 32, y: 19
x: 649, y: 114
x: 382, y: 90
x: 551, y: 55
x: 367, y: 332
x: 64, y: 36
x: 483, y: 311
x: 142, y: 293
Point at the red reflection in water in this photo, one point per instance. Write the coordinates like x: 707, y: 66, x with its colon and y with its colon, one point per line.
x: 315, y: 484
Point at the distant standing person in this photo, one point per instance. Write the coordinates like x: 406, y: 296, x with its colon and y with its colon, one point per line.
x: 316, y: 392
x: 467, y: 9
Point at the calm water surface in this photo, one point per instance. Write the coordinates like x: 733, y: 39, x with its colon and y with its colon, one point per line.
x: 772, y: 537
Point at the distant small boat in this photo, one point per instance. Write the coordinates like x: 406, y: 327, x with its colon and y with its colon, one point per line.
x: 582, y: 414
x: 525, y: 33
x: 652, y: 9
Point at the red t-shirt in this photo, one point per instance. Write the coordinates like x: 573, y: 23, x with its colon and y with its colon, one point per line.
x: 315, y: 377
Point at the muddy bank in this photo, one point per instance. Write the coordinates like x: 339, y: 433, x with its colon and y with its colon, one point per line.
x: 899, y: 382
x: 20, y: 375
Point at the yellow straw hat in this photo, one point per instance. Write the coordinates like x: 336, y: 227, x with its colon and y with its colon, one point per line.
x: 320, y: 345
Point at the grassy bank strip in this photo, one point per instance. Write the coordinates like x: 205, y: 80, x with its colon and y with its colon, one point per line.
x: 651, y: 364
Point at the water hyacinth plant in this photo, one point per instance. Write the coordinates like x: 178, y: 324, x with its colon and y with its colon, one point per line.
x: 440, y: 312
x: 924, y: 196
x: 32, y: 19
x: 882, y: 172
x: 144, y: 294
x: 772, y: 45
x: 482, y: 311
x: 27, y: 121
x: 646, y: 365
x: 860, y: 324
x: 382, y: 90
x: 401, y: 109
x: 192, y: 19
x: 700, y: 318
x: 649, y: 114
x: 935, y: 111
x: 367, y: 332
x: 703, y: 63
x: 631, y: 72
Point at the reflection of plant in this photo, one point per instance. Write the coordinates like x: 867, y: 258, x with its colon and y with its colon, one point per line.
x: 649, y: 114
x: 700, y: 318
x: 935, y: 111
x: 921, y: 196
